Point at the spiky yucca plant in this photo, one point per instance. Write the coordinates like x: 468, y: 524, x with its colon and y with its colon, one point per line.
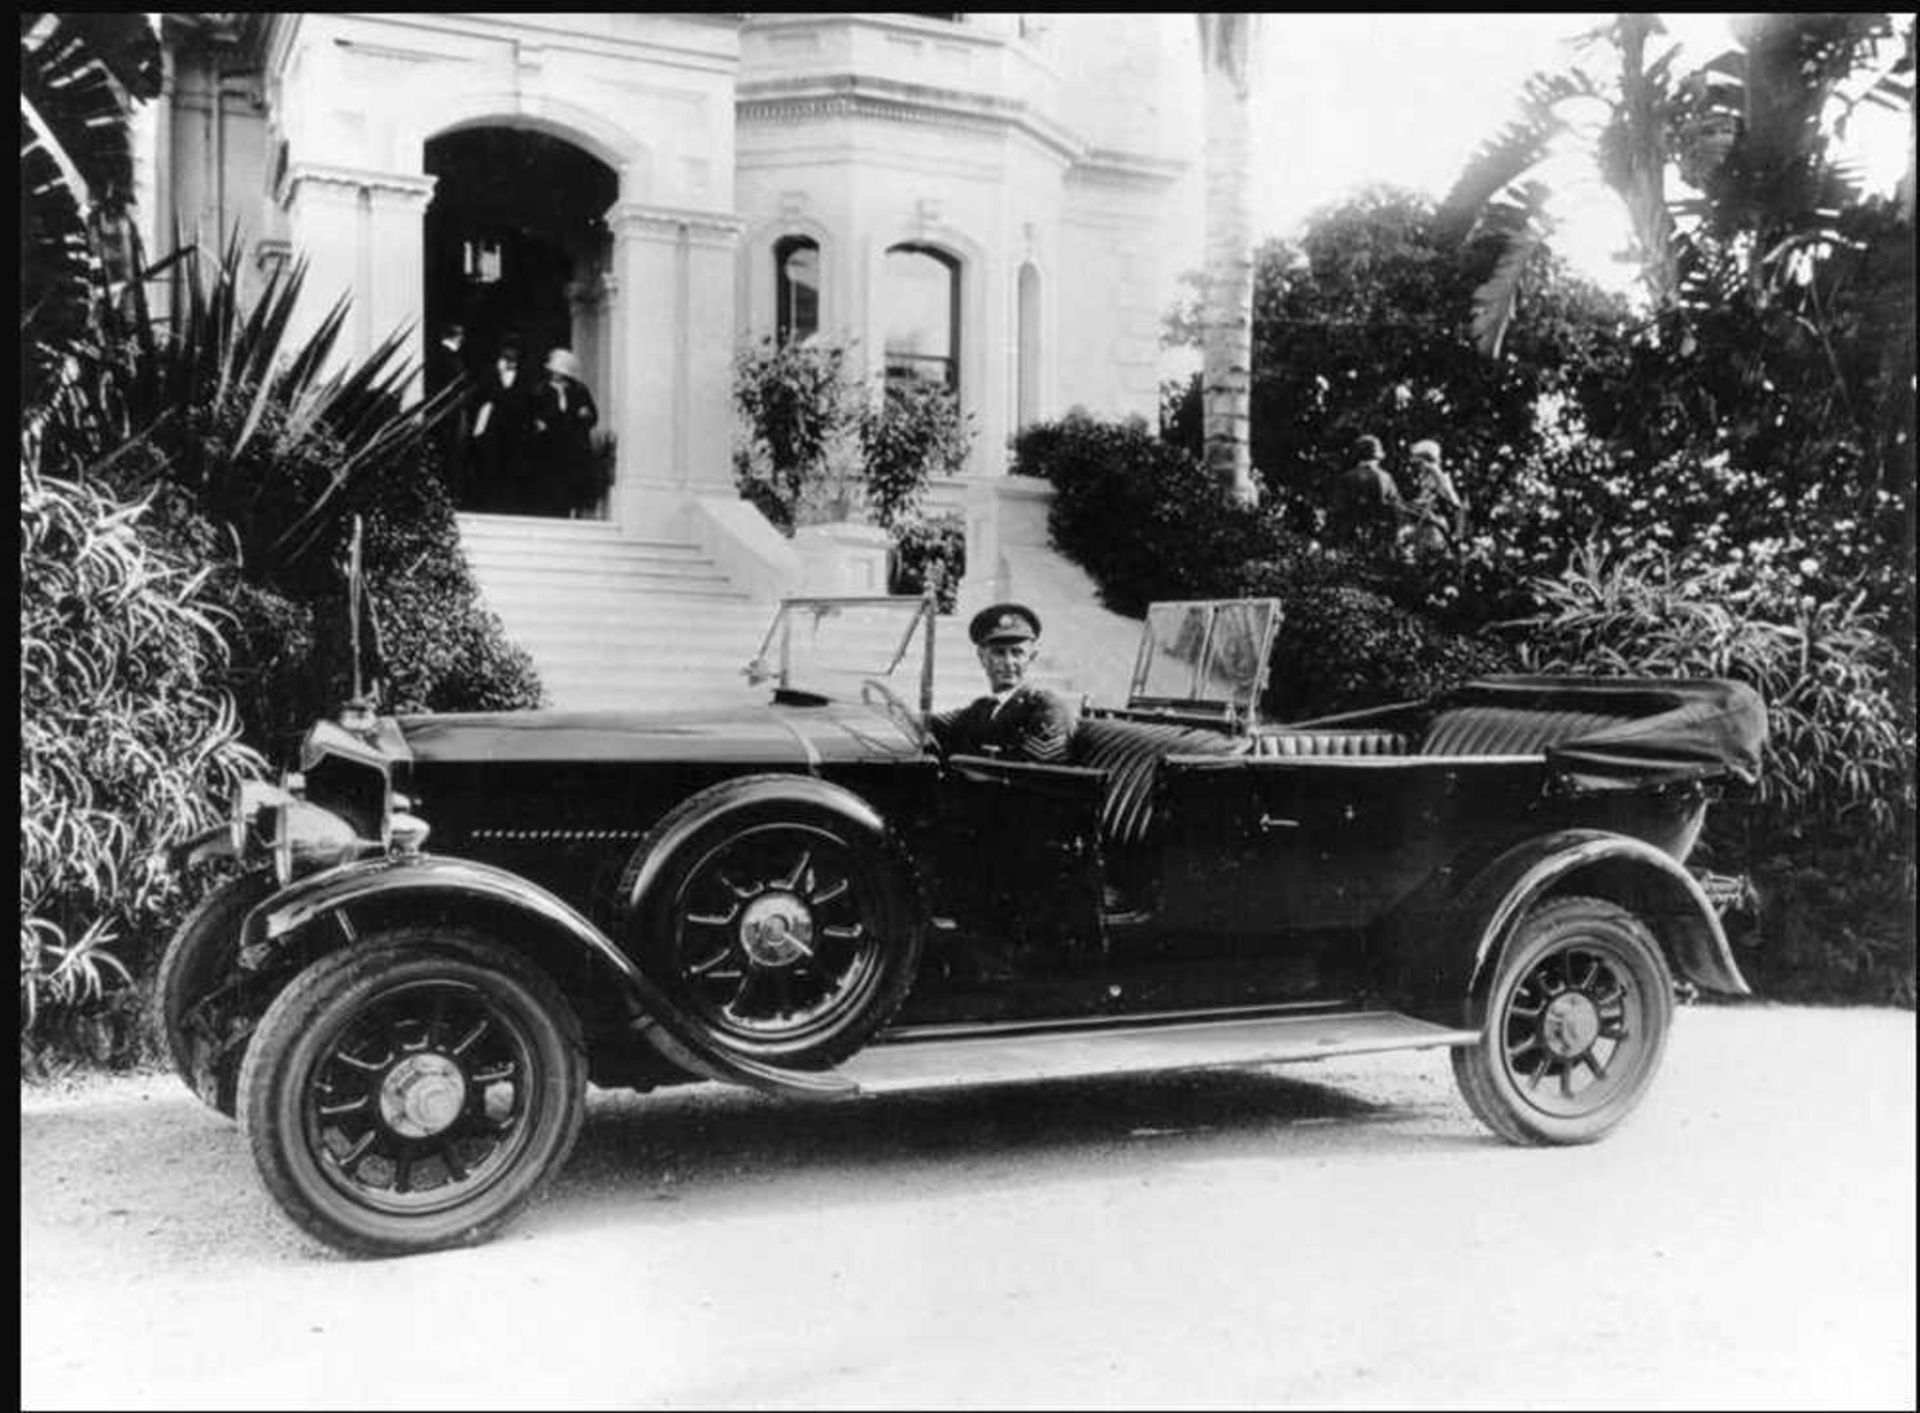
x: 268, y: 434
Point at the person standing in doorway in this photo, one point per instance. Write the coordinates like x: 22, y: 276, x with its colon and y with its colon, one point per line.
x: 501, y: 426
x: 564, y: 417
x: 447, y: 370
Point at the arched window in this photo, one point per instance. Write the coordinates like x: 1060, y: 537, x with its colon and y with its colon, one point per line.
x: 923, y: 316
x: 1027, y: 373
x: 796, y: 276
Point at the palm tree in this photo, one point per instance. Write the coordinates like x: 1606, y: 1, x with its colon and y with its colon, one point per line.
x: 80, y: 75
x: 1226, y: 319
x: 1748, y: 130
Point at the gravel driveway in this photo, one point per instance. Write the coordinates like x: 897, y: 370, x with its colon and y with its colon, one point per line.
x: 1339, y: 1234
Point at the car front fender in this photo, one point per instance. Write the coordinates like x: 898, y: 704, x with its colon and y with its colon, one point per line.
x: 427, y: 877
x: 1445, y: 954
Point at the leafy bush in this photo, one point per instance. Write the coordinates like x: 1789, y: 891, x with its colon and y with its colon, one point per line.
x: 917, y: 432
x: 930, y: 553
x: 812, y: 447
x: 1340, y: 649
x: 800, y: 413
x: 128, y: 743
x: 1835, y: 807
x: 442, y: 650
x: 1145, y: 519
x: 1148, y: 522
x: 1838, y: 754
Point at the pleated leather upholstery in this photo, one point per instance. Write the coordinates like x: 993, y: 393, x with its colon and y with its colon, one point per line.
x: 1332, y: 743
x: 1507, y: 731
x: 1130, y: 752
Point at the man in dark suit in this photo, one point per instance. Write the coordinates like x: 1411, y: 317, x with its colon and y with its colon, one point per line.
x: 447, y: 368
x: 1015, y: 720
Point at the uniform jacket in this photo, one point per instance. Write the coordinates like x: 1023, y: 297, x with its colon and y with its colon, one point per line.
x: 1031, y: 724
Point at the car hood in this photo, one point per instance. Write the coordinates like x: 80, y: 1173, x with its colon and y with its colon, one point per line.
x: 773, y: 736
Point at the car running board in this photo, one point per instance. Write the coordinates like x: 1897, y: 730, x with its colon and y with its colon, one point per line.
x: 997, y: 1057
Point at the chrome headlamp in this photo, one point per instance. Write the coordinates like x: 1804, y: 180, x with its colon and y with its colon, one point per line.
x: 296, y: 836
x: 338, y: 807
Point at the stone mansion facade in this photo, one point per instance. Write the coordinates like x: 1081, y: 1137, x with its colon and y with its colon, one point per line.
x: 982, y: 199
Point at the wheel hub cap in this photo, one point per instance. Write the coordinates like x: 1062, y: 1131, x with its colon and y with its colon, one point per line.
x: 1571, y: 1025
x: 777, y: 930
x: 422, y: 1095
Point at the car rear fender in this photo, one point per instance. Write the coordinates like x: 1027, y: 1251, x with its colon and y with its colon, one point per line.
x: 1448, y: 954
x: 400, y: 886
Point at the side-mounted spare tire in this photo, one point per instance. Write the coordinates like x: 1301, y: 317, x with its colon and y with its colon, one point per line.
x: 786, y: 924
x: 206, y: 1035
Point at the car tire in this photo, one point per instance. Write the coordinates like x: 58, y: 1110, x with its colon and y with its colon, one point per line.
x: 413, y: 1092
x: 1576, y: 1022
x: 784, y: 931
x: 199, y: 957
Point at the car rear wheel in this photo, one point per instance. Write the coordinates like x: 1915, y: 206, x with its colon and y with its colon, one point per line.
x: 206, y: 1037
x: 414, y: 1091
x: 1577, y: 1020
x: 785, y: 932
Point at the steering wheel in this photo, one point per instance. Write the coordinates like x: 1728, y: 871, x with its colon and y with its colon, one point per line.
x: 874, y: 692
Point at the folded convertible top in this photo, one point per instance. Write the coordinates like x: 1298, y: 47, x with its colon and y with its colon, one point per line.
x: 1656, y: 730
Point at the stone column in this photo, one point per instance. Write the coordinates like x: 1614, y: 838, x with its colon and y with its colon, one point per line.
x: 669, y: 395
x: 396, y: 293
x: 360, y: 235
x: 323, y: 227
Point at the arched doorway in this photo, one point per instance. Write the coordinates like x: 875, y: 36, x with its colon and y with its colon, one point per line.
x: 515, y: 251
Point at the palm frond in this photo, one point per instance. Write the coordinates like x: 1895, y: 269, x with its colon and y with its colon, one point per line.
x: 1520, y: 228
x: 1514, y: 151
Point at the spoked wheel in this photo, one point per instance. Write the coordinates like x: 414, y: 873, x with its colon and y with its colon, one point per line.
x: 787, y: 935
x: 413, y: 1092
x: 1576, y: 1023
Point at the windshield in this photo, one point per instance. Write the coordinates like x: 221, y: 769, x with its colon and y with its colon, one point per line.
x: 1209, y: 655
x: 827, y: 647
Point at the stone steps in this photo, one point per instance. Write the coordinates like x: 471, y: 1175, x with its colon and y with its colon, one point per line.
x: 644, y: 624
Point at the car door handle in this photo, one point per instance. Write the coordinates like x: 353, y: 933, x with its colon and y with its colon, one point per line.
x: 1268, y: 824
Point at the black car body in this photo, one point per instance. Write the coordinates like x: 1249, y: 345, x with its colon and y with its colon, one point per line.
x: 800, y: 894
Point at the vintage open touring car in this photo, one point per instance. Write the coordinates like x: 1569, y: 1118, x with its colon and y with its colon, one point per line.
x: 796, y: 892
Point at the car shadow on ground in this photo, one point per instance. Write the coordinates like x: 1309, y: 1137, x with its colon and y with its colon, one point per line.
x: 730, y: 1148
x: 120, y: 1184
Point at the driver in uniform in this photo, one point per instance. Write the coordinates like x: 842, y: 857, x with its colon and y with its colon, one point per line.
x: 1016, y: 720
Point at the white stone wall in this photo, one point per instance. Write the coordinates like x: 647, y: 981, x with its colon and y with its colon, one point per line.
x: 1004, y: 140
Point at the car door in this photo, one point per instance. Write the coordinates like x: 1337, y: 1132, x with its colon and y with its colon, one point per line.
x: 1019, y: 855
x: 1259, y: 844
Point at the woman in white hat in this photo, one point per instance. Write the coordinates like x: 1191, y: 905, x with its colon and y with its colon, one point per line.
x: 564, y: 417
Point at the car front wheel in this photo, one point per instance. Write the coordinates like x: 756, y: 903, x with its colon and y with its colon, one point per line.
x: 413, y: 1092
x: 1577, y: 1019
